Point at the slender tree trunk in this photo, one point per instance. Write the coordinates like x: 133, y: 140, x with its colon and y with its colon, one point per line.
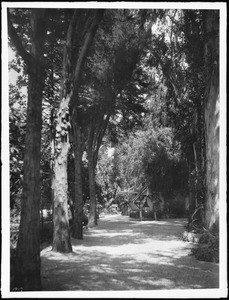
x: 90, y: 27
x: 52, y: 160
x: 212, y: 121
x: 155, y: 212
x: 52, y: 137
x: 92, y: 222
x: 192, y: 185
x: 27, y: 268
x: 95, y: 136
x: 77, y: 228
x: 140, y: 210
x: 96, y: 131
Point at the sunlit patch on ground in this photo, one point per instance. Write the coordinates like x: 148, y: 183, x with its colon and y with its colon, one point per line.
x: 122, y: 254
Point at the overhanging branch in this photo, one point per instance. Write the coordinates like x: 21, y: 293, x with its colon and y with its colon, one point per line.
x: 84, y: 49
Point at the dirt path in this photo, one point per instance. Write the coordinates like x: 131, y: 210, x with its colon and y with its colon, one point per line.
x: 124, y: 254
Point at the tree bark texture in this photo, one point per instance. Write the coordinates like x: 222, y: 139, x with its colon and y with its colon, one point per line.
x: 28, y: 247
x: 212, y: 120
x: 27, y: 269
x: 61, y: 231
x: 77, y: 227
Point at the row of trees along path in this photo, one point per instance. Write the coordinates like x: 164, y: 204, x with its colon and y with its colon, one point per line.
x: 88, y: 66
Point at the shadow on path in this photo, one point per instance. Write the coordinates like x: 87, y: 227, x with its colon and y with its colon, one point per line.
x: 125, y: 254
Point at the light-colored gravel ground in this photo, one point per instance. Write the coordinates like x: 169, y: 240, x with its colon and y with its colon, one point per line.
x: 126, y: 254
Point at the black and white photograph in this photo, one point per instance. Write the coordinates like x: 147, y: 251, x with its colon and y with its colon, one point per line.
x: 114, y: 150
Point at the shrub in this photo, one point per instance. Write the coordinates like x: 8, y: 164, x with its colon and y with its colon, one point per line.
x: 207, y: 248
x: 150, y: 214
x: 134, y: 214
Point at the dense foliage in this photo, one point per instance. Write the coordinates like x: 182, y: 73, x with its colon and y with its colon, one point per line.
x: 141, y: 94
x: 17, y: 121
x: 166, y: 147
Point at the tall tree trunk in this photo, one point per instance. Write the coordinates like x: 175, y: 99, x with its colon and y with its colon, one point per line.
x: 52, y: 160
x: 61, y: 231
x: 77, y: 227
x: 192, y: 184
x: 91, y: 26
x: 27, y: 269
x: 28, y: 247
x: 72, y: 66
x: 212, y: 120
x: 92, y: 222
x: 96, y: 131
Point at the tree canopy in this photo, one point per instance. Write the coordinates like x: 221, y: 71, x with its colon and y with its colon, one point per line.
x: 142, y: 82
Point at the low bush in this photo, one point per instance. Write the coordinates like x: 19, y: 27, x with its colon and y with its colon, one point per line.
x: 207, y: 248
x: 134, y: 214
x: 149, y: 214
